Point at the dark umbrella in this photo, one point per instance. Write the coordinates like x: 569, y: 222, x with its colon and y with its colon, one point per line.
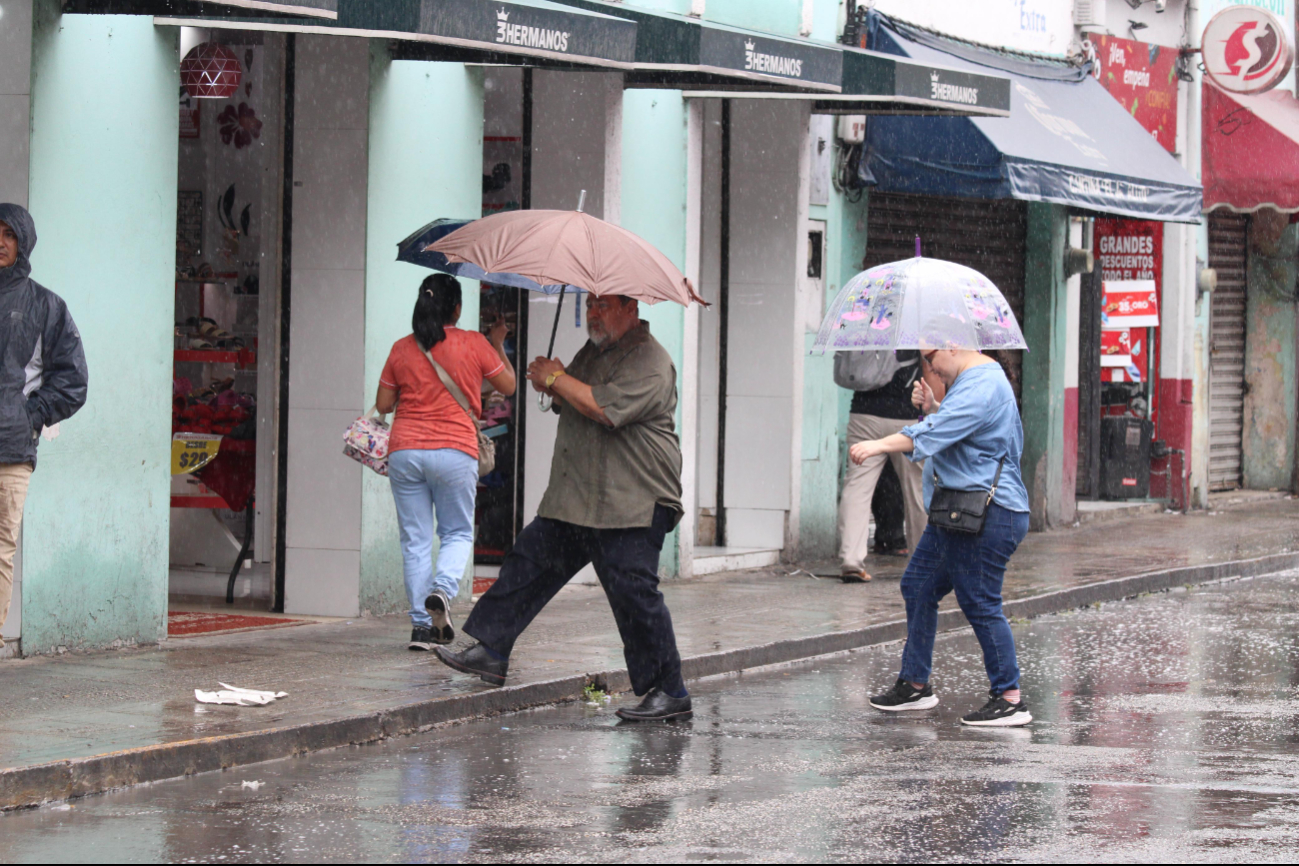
x: 415, y: 250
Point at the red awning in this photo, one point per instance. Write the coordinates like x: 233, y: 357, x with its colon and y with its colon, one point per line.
x: 1251, y: 150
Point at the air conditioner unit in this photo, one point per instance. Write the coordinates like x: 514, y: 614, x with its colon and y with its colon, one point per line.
x: 1089, y: 13
x: 852, y: 128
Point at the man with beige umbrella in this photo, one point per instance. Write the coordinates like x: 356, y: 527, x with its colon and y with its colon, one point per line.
x: 614, y: 493
x: 615, y: 480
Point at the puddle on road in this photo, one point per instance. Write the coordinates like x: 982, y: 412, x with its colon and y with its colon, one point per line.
x: 1166, y: 730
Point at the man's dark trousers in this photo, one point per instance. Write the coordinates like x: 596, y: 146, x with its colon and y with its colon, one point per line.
x: 548, y: 553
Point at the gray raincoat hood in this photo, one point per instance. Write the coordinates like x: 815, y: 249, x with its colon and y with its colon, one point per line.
x: 18, y: 219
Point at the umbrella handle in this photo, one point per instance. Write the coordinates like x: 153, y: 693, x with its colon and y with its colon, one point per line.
x: 544, y: 401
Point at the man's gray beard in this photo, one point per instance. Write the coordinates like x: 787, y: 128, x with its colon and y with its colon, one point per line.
x: 598, y: 336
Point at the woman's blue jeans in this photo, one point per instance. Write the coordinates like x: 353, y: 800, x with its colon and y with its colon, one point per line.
x: 973, y: 566
x: 424, y: 483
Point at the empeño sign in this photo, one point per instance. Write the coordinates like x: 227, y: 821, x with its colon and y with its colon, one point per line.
x: 1143, y: 78
x: 1246, y: 49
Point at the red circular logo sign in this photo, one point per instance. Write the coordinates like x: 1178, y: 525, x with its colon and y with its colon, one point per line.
x: 1246, y: 49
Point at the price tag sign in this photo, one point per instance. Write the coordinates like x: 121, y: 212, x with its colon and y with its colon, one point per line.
x: 191, y: 452
x: 1130, y: 304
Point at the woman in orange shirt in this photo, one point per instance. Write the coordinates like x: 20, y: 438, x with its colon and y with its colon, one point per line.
x: 433, y: 448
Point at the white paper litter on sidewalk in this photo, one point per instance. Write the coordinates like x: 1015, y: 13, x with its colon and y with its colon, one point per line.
x: 236, y: 696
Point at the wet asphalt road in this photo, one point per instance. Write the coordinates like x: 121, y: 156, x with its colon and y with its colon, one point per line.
x: 1166, y: 730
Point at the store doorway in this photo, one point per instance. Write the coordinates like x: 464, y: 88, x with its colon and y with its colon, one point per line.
x: 1228, y: 254
x: 225, y: 368
x: 548, y: 136
x: 507, y: 186
x: 750, y: 237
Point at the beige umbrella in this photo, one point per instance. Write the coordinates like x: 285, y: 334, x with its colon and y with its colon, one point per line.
x: 571, y: 248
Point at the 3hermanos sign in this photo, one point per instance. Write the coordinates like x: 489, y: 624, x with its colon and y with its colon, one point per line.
x: 547, y: 30
x: 1247, y: 49
x: 527, y: 36
x: 799, y: 63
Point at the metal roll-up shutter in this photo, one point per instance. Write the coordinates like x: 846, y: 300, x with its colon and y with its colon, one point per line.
x: 1228, y: 250
x: 985, y: 234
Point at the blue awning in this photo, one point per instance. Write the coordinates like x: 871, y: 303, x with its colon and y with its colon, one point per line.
x: 1066, y: 141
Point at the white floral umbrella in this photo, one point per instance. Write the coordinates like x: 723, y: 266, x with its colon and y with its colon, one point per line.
x: 921, y: 304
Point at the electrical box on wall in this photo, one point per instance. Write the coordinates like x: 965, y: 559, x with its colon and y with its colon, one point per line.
x: 852, y: 128
x: 1089, y: 13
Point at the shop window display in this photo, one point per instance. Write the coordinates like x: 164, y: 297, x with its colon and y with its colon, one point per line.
x: 223, y: 236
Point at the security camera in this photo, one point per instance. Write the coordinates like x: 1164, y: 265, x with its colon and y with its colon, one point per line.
x: 1161, y: 5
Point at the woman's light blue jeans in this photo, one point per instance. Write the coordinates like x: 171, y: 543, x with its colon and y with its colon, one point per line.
x: 424, y: 483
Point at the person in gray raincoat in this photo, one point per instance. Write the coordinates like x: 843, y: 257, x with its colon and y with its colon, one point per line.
x: 43, y: 377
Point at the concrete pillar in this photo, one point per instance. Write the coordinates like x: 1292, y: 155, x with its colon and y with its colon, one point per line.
x: 15, y: 98
x: 15, y: 149
x: 1268, y: 457
x: 327, y: 324
x: 657, y: 175
x: 1045, y: 323
x: 1175, y: 424
x: 103, y: 193
x: 426, y: 158
x: 1073, y: 322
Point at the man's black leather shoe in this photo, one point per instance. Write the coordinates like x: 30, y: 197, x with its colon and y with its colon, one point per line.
x: 656, y: 707
x: 476, y: 661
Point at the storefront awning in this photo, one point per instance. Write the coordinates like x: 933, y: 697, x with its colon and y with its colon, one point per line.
x: 1250, y: 158
x: 678, y: 51
x: 875, y: 83
x: 306, y: 8
x: 312, y: 8
x: 1066, y: 141
x: 460, y: 30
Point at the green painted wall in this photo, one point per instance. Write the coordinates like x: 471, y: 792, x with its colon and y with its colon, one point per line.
x: 1045, y: 320
x: 426, y: 158
x: 95, y: 534
x: 1268, y: 454
x: 825, y: 404
x: 773, y: 16
x: 654, y: 206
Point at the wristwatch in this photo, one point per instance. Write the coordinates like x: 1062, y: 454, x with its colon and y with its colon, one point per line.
x: 550, y: 380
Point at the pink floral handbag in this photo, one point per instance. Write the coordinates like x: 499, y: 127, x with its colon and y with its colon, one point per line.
x: 366, y: 441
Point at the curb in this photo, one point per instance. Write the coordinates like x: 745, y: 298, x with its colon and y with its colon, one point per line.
x: 60, y: 780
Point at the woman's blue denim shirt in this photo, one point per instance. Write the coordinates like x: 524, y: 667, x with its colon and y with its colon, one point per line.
x: 976, y: 425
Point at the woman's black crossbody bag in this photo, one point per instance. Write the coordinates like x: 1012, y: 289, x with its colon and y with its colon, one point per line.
x: 962, y: 510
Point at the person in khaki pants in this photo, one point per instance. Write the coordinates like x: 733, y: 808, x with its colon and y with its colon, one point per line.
x: 42, y: 377
x: 876, y: 414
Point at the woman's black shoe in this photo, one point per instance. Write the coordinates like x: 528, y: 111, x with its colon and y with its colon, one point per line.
x: 476, y: 661
x: 421, y: 639
x: 658, y: 706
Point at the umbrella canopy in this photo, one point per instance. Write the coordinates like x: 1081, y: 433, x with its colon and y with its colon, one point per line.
x: 415, y: 251
x: 919, y: 304
x: 557, y: 248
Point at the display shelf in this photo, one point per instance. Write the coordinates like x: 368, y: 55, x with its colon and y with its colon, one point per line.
x: 225, y: 278
x: 210, y: 500
x: 240, y: 357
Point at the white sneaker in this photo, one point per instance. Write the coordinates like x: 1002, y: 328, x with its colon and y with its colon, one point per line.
x: 999, y: 713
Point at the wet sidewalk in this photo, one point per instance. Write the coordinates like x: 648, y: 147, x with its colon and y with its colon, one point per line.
x: 77, y: 724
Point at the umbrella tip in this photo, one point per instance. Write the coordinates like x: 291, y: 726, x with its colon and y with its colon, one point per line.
x: 581, y: 201
x: 917, y: 246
